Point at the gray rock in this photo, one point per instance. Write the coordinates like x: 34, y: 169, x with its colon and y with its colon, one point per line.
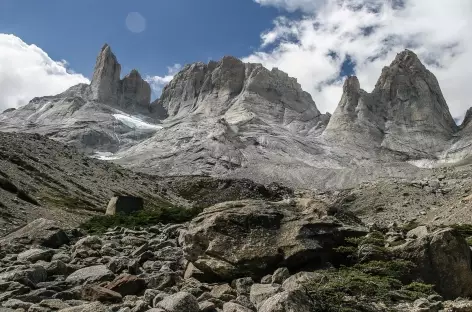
x: 443, y: 259
x: 280, y: 275
x: 16, y: 304
x: 252, y: 238
x: 98, y: 273
x: 234, y: 307
x: 294, y: 301
x: 90, y: 307
x: 299, y: 279
x: 243, y: 285
x: 40, y: 232
x: 260, y: 292
x: 179, y: 302
x: 34, y: 255
x: 34, y: 274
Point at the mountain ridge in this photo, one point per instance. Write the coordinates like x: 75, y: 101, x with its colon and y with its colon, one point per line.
x: 241, y: 120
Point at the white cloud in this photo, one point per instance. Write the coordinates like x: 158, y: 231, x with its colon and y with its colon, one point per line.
x: 371, y: 32
x: 26, y: 71
x: 159, y: 82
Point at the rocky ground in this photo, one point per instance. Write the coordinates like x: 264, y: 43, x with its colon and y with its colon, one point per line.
x: 42, y: 178
x: 238, y: 256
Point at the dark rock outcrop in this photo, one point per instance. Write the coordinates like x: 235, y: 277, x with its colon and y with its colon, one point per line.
x: 237, y: 239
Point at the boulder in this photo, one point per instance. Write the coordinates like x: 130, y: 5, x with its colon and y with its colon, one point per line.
x: 179, y: 302
x: 260, y: 292
x: 97, y: 273
x: 102, y: 294
x: 124, y: 205
x: 234, y: 307
x: 127, y: 285
x: 443, y: 258
x: 89, y: 307
x: 33, y: 255
x: 254, y: 238
x: 39, y: 232
x: 288, y: 301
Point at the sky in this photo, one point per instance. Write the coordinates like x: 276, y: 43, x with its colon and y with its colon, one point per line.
x: 48, y: 46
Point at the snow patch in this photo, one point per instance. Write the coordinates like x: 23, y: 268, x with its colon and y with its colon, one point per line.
x: 432, y: 163
x: 136, y: 123
x: 105, y: 156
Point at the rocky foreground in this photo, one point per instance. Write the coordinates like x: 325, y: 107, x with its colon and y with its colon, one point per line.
x: 240, y: 256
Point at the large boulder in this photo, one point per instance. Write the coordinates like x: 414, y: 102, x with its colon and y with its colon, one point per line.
x: 124, y: 205
x: 443, y: 258
x: 97, y: 273
x: 39, y: 232
x: 253, y: 238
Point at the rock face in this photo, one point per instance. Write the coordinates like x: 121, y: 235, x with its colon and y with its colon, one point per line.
x: 444, y: 259
x: 101, y: 117
x: 254, y: 238
x: 241, y: 120
x: 405, y: 113
x: 131, y: 93
x: 106, y: 77
x: 124, y: 205
x: 39, y: 232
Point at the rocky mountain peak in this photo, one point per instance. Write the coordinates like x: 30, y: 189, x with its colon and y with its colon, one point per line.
x: 135, y: 91
x: 129, y: 93
x: 240, y: 91
x: 106, y: 77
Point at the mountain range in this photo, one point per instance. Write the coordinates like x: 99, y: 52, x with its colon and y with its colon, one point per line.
x: 240, y: 120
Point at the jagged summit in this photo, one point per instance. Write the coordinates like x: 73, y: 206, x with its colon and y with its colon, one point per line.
x: 236, y: 119
x: 104, y: 116
x: 406, y: 112
x: 240, y: 91
x: 130, y: 93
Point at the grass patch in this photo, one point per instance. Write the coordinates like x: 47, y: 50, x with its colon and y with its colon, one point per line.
x: 354, y: 289
x: 148, y: 217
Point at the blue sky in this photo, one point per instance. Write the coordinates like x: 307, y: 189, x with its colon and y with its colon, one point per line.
x: 299, y: 37
x: 177, y: 31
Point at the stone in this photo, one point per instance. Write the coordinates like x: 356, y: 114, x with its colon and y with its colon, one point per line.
x: 54, y: 304
x: 293, y: 301
x: 102, y: 294
x: 254, y: 238
x: 443, y: 258
x: 106, y: 77
x: 206, y: 306
x: 223, y: 292
x: 179, y: 302
x: 97, y: 273
x: 280, y: 275
x: 418, y: 232
x: 234, y: 307
x: 243, y: 285
x: 127, y: 285
x: 56, y: 267
x: 34, y: 255
x: 260, y: 292
x: 89, y: 307
x: 124, y: 205
x: 38, y: 232
x: 16, y: 304
x: 298, y: 280
x: 34, y: 275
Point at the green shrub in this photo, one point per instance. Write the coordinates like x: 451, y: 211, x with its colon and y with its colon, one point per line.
x: 100, y: 224
x: 398, y: 269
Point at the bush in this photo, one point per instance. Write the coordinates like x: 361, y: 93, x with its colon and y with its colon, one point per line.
x: 100, y: 224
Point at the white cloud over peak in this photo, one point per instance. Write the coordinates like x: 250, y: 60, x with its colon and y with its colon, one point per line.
x: 26, y: 71
x: 370, y: 33
x: 159, y: 82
